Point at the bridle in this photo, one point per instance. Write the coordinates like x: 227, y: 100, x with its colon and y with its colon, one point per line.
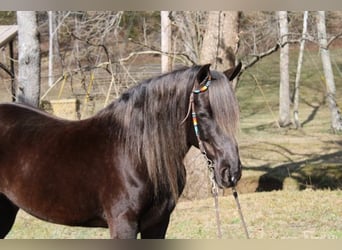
x: 203, y: 89
x: 210, y: 164
x: 192, y: 109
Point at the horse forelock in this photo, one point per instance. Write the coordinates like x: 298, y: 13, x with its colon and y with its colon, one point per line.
x: 150, y: 115
x: 224, y: 104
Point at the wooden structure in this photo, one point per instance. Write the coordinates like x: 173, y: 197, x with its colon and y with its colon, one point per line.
x: 7, y: 35
x: 66, y: 108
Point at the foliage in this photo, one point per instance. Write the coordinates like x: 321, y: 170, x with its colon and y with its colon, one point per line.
x: 8, y: 17
x: 135, y: 23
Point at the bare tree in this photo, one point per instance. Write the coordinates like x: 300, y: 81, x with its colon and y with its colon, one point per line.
x: 221, y: 39
x: 299, y: 69
x: 336, y: 119
x: 91, y: 39
x: 29, y: 58
x: 53, y: 44
x: 188, y: 30
x: 284, y: 88
x: 165, y: 41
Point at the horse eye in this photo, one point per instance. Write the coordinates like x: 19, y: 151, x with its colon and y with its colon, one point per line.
x: 202, y: 114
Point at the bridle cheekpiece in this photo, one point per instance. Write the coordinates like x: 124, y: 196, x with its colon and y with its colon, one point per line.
x: 203, y: 89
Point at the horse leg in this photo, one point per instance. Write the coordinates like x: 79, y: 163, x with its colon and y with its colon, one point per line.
x: 156, y: 230
x: 8, y: 212
x: 122, y: 226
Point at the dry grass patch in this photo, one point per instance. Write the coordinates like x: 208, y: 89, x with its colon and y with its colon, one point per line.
x: 269, y: 215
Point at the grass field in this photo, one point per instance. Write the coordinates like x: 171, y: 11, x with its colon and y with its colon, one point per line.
x: 300, y: 169
x: 311, y: 156
x: 269, y: 215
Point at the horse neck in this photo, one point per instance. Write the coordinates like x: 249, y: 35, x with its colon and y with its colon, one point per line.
x: 151, y: 116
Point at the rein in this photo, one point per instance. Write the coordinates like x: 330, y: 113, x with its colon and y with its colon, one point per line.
x: 210, y: 164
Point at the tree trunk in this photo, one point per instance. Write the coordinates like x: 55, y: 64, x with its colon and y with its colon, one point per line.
x: 53, y: 44
x: 284, y: 88
x: 336, y: 120
x: 299, y: 69
x: 221, y: 40
x: 29, y: 59
x: 165, y: 41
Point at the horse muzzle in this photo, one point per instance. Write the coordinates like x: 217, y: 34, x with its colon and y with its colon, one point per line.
x: 227, y: 175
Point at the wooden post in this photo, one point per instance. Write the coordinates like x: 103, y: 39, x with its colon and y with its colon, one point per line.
x: 7, y: 35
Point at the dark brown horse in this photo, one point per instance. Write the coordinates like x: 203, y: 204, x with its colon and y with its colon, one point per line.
x: 122, y: 168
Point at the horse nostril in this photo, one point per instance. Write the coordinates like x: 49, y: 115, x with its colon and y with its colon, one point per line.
x: 233, y: 180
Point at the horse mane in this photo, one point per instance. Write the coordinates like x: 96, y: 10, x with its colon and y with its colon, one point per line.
x: 150, y: 116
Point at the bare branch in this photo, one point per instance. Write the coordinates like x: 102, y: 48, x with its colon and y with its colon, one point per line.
x: 258, y: 57
x: 2, y: 66
x: 139, y: 53
x: 154, y: 50
x: 70, y: 73
x: 332, y: 39
x: 95, y: 45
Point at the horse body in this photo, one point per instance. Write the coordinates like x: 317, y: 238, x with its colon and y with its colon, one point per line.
x: 73, y: 190
x: 97, y: 172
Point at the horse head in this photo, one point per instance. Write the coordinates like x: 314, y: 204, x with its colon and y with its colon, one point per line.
x: 215, y: 116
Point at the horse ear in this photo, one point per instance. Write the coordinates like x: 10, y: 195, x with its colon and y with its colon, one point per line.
x: 203, y: 73
x: 233, y: 72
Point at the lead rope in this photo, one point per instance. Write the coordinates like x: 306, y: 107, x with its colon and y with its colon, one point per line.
x: 235, y: 194
x: 214, y: 192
